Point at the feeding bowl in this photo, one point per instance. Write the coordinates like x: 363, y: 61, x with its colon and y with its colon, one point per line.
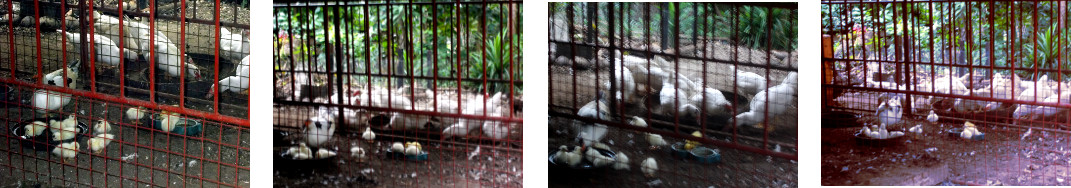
x: 584, y: 163
x: 423, y: 156
x: 705, y: 155
x: 44, y: 141
x: 862, y: 139
x: 954, y: 132
x: 678, y: 150
x: 185, y: 126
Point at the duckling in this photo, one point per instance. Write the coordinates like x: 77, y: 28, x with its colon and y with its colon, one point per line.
x: 571, y: 158
x: 358, y: 153
x: 656, y: 141
x: 649, y: 167
x: 397, y: 147
x: 97, y: 143
x: 621, y: 162
x: 35, y: 128
x: 324, y: 153
x: 368, y: 135
x: 688, y: 144
x: 596, y: 158
x: 412, y: 149
x: 102, y: 126
x: 67, y: 150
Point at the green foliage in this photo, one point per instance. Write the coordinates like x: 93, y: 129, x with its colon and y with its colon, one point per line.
x: 751, y: 26
x: 399, y: 39
x: 999, y: 32
x: 498, y: 59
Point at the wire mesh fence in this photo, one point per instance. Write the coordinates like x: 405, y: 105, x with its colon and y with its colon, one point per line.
x: 967, y: 93
x: 398, y: 93
x: 689, y: 94
x: 125, y: 93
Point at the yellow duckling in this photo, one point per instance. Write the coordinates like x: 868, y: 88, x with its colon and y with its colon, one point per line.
x: 412, y: 148
x: 688, y: 144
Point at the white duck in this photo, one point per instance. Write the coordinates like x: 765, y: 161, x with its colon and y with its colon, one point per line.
x: 716, y: 104
x: 889, y: 112
x: 748, y: 83
x: 107, y: 51
x: 236, y: 83
x: 318, y: 130
x: 233, y: 45
x: 598, y: 109
x: 477, y: 107
x: 109, y: 27
x: 625, y: 83
x: 780, y: 97
x: 169, y: 59
x: 1048, y: 111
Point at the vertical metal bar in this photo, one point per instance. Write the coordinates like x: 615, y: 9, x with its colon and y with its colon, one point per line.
x: 613, y: 61
x: 152, y: 53
x: 676, y: 64
x: 11, y: 40
x: 647, y: 50
x: 736, y: 64
x: 335, y: 73
x: 290, y: 44
x: 435, y: 59
x: 766, y: 113
x: 551, y: 56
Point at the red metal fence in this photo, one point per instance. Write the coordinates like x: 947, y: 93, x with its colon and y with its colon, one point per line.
x: 443, y: 74
x: 628, y: 55
x: 189, y: 134
x: 999, y: 65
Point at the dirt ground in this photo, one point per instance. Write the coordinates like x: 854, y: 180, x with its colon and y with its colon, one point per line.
x: 737, y: 168
x: 448, y: 165
x: 139, y: 156
x: 1005, y: 157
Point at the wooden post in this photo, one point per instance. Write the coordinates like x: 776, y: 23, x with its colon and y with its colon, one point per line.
x: 827, y: 71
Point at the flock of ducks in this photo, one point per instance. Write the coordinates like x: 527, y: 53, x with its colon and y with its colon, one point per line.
x: 136, y: 45
x: 677, y: 94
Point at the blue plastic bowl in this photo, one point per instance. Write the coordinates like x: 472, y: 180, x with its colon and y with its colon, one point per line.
x: 705, y: 155
x: 954, y: 132
x: 185, y: 126
x: 678, y: 150
x: 423, y: 156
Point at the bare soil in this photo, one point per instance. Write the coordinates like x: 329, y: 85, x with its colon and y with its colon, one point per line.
x: 1005, y: 157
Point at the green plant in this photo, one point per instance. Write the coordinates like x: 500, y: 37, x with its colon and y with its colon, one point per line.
x: 500, y: 49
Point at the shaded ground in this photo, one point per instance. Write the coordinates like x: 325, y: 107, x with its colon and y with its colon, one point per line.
x: 140, y: 156
x: 1006, y: 157
x: 448, y: 165
x: 737, y: 168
